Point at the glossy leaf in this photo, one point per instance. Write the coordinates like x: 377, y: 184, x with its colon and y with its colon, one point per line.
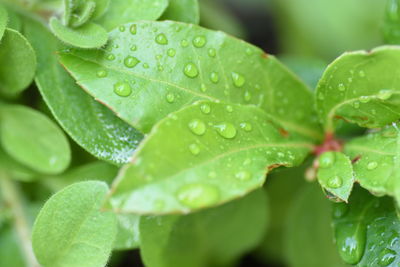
x: 151, y: 74
x: 183, y: 10
x: 89, y: 35
x: 335, y: 174
x: 367, y: 230
x: 391, y: 27
x: 215, y: 153
x: 33, y: 139
x: 376, y: 163
x: 215, y: 237
x: 124, y: 11
x: 18, y: 73
x: 71, y: 230
x: 361, y: 87
x: 3, y: 21
x: 89, y: 123
x: 128, y: 236
x: 309, y: 234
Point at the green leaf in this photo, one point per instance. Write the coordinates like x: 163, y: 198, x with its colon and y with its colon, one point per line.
x: 124, y: 11
x: 215, y: 237
x: 183, y: 10
x: 128, y: 236
x: 391, y: 26
x: 15, y: 169
x: 19, y: 71
x: 3, y: 21
x: 89, y: 35
x: 71, y: 230
x: 375, y: 156
x: 367, y: 230
x: 215, y: 153
x: 335, y: 174
x: 84, y: 15
x: 33, y: 139
x: 89, y: 123
x: 361, y: 87
x: 309, y: 235
x: 182, y: 63
x: 10, y: 252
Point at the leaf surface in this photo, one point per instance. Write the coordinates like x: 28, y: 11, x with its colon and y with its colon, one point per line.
x: 18, y: 62
x: 70, y: 230
x: 183, y: 10
x: 215, y: 152
x: 361, y: 87
x: 215, y: 237
x: 154, y: 68
x: 89, y: 123
x: 128, y: 236
x: 33, y: 139
x: 3, y: 21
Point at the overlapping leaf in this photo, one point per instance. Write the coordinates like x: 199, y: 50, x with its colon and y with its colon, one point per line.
x: 215, y: 237
x: 367, y: 230
x: 183, y: 10
x: 90, y: 124
x: 3, y: 20
x: 361, y: 87
x: 151, y: 69
x: 215, y: 152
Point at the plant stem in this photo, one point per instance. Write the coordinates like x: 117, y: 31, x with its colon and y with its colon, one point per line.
x: 12, y: 199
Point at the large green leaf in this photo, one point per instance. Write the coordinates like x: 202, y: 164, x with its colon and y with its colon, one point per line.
x: 18, y: 62
x: 367, y: 230
x: 151, y: 69
x: 335, y: 174
x: 376, y: 163
x: 215, y: 237
x: 309, y: 237
x: 391, y: 27
x: 71, y: 230
x: 361, y: 87
x: 124, y: 11
x: 33, y: 139
x: 215, y: 152
x: 3, y: 21
x: 89, y: 123
x: 128, y: 236
x: 183, y: 10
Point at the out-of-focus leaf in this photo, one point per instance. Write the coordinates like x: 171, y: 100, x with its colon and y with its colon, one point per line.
x: 183, y: 10
x: 3, y: 21
x: 391, y: 27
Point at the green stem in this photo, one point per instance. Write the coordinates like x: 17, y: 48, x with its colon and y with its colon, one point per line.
x: 12, y: 199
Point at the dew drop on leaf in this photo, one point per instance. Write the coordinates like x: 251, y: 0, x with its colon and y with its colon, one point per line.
x: 194, y: 149
x: 110, y: 57
x: 226, y: 130
x: 184, y: 43
x: 197, y: 127
x: 132, y: 29
x: 161, y: 39
x: 198, y: 195
x: 205, y: 108
x: 101, y: 73
x: 238, y: 80
x: 203, y: 88
x: 131, y: 62
x: 372, y: 165
x: 386, y: 257
x: 191, y: 70
x: 246, y: 126
x: 341, y: 87
x: 214, y: 77
x: 229, y: 108
x: 351, y: 242
x: 170, y: 97
x: 212, y: 52
x: 133, y: 48
x: 122, y: 89
x: 385, y: 94
x: 199, y: 41
x: 356, y: 104
x: 243, y: 175
x: 361, y: 73
x: 249, y: 52
x: 335, y: 182
x: 365, y: 99
x: 171, y: 52
x: 326, y: 160
x: 247, y: 96
x: 121, y: 28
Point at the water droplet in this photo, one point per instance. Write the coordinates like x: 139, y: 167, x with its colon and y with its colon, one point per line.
x: 199, y: 41
x: 110, y: 57
x: 214, y: 77
x: 203, y: 88
x: 341, y: 87
x: 191, y: 70
x: 131, y: 62
x: 247, y: 96
x: 160, y: 67
x: 198, y: 195
x: 326, y: 160
x: 350, y: 239
x: 385, y: 94
x: 361, y: 73
x: 132, y: 29
x: 335, y: 182
x: 340, y: 210
x: 121, y: 28
x: 229, y: 108
x: 161, y: 39
x: 386, y: 257
x: 372, y: 165
x: 249, y: 52
x: 238, y: 80
x: 122, y: 89
x: 184, y: 43
x: 243, y: 175
x: 133, y: 48
x: 205, y: 108
x: 365, y: 99
x: 171, y: 52
x: 145, y: 65
x: 226, y: 130
x: 158, y: 57
x: 102, y: 73
x: 246, y: 126
x: 194, y: 149
x: 212, y: 52
x: 197, y: 127
x: 356, y: 104
x: 170, y: 97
